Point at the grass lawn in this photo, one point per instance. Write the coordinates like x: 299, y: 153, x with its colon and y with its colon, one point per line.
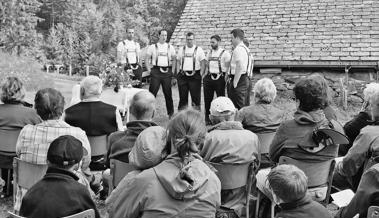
x: 161, y: 118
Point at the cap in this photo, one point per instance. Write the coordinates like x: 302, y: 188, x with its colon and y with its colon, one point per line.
x: 147, y: 150
x: 65, y: 150
x: 221, y: 105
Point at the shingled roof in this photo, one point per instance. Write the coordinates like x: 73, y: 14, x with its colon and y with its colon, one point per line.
x: 290, y: 32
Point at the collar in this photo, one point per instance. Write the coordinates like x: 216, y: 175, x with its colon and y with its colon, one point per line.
x: 92, y: 99
x: 298, y: 203
x: 227, y: 125
x: 54, y: 171
x: 54, y: 123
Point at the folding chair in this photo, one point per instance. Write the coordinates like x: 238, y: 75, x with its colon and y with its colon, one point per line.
x: 26, y: 174
x: 98, y: 145
x: 265, y: 140
x: 119, y: 170
x: 8, y: 140
x: 234, y: 176
x: 319, y: 175
x: 90, y: 213
x: 373, y: 212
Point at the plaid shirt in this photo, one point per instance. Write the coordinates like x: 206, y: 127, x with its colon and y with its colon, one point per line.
x: 34, y: 141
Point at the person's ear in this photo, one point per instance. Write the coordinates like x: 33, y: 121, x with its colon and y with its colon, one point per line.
x: 82, y: 93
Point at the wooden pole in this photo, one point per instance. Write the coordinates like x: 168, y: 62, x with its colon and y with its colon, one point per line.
x: 87, y: 70
x: 70, y: 70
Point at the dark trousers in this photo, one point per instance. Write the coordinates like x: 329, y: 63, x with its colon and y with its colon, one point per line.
x: 158, y: 78
x: 211, y: 86
x: 137, y: 72
x: 239, y: 93
x: 248, y: 92
x: 191, y: 84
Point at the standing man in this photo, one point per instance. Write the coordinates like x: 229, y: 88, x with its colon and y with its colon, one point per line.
x: 214, y: 77
x: 128, y: 53
x: 191, y: 67
x: 237, y: 83
x: 160, y: 62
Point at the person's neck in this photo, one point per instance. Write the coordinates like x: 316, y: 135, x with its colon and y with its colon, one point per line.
x: 161, y: 42
x: 92, y: 98
x: 129, y: 39
x: 190, y: 46
x: 216, y: 49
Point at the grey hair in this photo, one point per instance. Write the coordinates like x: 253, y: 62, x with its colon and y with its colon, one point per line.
x: 265, y: 90
x: 370, y: 90
x: 91, y: 86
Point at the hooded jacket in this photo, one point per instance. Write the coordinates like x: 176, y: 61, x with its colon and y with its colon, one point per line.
x: 294, y: 138
x: 122, y: 142
x: 174, y: 188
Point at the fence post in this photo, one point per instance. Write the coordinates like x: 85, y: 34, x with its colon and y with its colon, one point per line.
x: 47, y: 68
x: 87, y: 70
x: 70, y: 70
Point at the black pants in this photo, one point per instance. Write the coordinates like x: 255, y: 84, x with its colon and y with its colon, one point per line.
x: 248, y: 92
x: 211, y: 86
x: 158, y: 78
x: 239, y: 93
x: 191, y: 84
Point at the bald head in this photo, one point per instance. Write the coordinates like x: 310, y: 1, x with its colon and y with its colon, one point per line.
x: 142, y: 106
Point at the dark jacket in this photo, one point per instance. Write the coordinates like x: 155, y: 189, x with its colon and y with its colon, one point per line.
x: 122, y: 142
x: 367, y: 195
x: 58, y: 194
x: 294, y: 138
x: 260, y: 117
x: 96, y: 118
x: 353, y: 128
x: 303, y: 208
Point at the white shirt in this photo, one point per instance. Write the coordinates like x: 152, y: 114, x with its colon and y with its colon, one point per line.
x: 128, y: 50
x: 163, y: 56
x: 188, y: 57
x: 213, y: 57
x: 240, y: 53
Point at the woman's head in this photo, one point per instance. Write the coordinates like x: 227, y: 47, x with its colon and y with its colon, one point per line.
x: 311, y: 94
x: 12, y: 90
x: 370, y: 91
x: 264, y: 90
x: 49, y: 104
x: 186, y: 132
x: 374, y: 105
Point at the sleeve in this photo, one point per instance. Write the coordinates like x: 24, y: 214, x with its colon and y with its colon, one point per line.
x: 356, y: 156
x: 173, y: 52
x: 277, y: 144
x: 124, y: 183
x: 138, y: 51
x: 200, y: 54
x: 241, y: 116
x: 367, y: 191
x: 180, y: 54
x: 120, y: 126
x: 226, y: 56
x: 81, y: 135
x: 238, y: 54
x: 131, y: 199
x: 88, y: 202
x: 119, y: 52
x: 20, y: 140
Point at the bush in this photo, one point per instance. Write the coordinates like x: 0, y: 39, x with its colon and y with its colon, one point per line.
x: 28, y: 70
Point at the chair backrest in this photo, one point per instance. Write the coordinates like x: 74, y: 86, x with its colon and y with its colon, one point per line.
x: 98, y: 145
x: 13, y: 215
x: 119, y: 170
x: 265, y: 140
x: 26, y: 174
x: 232, y: 175
x: 317, y: 173
x: 373, y: 212
x: 90, y: 213
x: 8, y: 140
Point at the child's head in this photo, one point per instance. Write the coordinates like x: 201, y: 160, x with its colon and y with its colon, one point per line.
x: 288, y: 183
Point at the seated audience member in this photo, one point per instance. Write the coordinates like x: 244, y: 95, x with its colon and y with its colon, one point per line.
x: 146, y: 153
x: 366, y: 195
x: 364, y: 152
x: 34, y: 140
x: 353, y: 127
x: 93, y: 116
x: 58, y: 193
x: 180, y: 186
x: 289, y: 189
x: 13, y: 117
x: 294, y: 138
x: 142, y: 109
x: 262, y: 117
x: 228, y: 143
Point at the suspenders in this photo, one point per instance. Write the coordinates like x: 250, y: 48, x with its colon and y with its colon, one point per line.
x: 157, y: 51
x: 193, y: 60
x: 216, y: 76
x: 135, y: 50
